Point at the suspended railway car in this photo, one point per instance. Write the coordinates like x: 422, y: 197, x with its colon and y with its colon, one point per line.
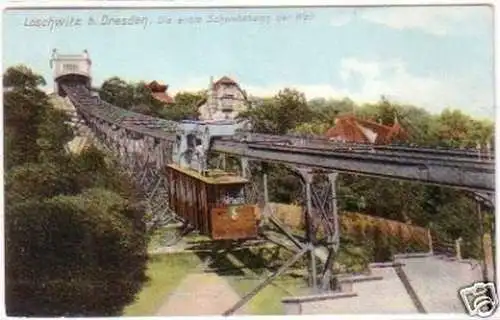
x: 213, y: 203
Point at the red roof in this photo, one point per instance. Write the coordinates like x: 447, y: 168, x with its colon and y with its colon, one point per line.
x: 350, y: 128
x: 159, y: 92
x: 163, y: 97
x: 157, y: 87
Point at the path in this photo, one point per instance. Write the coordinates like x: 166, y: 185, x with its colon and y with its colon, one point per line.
x: 437, y: 280
x: 200, y: 294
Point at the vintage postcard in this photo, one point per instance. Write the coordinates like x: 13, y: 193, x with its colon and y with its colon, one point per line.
x: 224, y: 160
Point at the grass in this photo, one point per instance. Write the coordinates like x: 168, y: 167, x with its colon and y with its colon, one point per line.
x: 156, y: 238
x: 243, y: 269
x: 267, y: 301
x: 165, y: 272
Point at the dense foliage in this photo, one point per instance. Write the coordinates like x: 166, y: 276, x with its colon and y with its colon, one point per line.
x: 450, y: 213
x: 136, y: 97
x: 75, y: 241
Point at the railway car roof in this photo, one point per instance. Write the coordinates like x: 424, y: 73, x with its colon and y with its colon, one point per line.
x: 214, y: 176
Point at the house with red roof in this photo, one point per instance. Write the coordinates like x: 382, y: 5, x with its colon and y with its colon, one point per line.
x: 159, y: 92
x: 349, y: 128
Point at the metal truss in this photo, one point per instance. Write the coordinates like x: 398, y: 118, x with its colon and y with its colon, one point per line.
x: 457, y: 171
x: 256, y: 190
x: 322, y: 230
x: 142, y: 159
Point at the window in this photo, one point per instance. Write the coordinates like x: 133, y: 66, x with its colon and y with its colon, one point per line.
x: 67, y: 67
x: 232, y: 195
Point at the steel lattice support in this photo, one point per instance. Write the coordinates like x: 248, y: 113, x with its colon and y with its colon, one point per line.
x: 256, y: 191
x: 142, y: 158
x: 321, y: 223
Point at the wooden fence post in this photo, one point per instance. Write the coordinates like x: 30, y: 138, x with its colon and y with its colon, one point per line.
x: 429, y: 239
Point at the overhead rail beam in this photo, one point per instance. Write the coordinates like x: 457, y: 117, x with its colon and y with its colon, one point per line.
x: 467, y: 175
x: 461, y: 169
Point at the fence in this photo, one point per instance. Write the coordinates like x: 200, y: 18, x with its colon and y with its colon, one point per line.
x: 399, y: 237
x: 362, y: 226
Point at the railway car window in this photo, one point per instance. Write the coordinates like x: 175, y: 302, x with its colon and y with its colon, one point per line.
x: 191, y: 141
x: 178, y: 140
x: 233, y: 196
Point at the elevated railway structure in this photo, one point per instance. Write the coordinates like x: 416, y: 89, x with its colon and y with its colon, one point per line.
x: 168, y: 160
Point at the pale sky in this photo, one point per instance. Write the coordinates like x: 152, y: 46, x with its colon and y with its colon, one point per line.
x: 432, y: 57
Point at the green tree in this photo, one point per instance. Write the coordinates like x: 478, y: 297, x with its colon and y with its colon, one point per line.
x: 72, y: 255
x: 54, y: 132
x: 137, y: 97
x: 316, y: 128
x: 481, y: 132
x: 25, y: 107
x: 383, y: 111
x: 185, y: 106
x: 37, y: 181
x: 117, y: 92
x: 279, y: 114
x: 326, y: 111
x: 143, y: 100
x: 417, y: 122
x: 75, y: 239
x: 21, y: 76
x: 451, y: 129
x: 386, y: 112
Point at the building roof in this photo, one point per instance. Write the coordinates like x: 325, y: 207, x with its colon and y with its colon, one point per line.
x: 218, y: 177
x: 352, y: 129
x: 155, y: 86
x: 159, y: 92
x: 224, y: 80
x: 163, y: 97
